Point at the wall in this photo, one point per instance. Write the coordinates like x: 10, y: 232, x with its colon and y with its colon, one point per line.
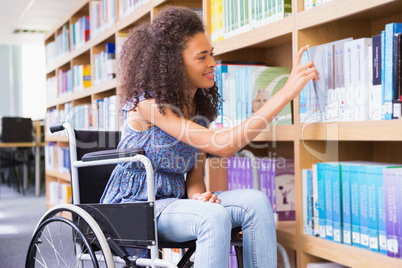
x: 10, y: 80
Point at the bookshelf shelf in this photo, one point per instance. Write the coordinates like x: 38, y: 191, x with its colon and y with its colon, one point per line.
x: 63, y: 176
x: 389, y: 130
x: 273, y: 133
x: 104, y: 86
x: 270, y: 35
x: 278, y: 133
x: 56, y: 138
x: 340, y: 9
x: 286, y: 234
x: 346, y: 255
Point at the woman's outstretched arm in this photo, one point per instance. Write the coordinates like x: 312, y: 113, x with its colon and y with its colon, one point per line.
x: 227, y: 143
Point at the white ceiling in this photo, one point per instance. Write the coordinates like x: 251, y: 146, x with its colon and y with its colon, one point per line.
x: 38, y: 15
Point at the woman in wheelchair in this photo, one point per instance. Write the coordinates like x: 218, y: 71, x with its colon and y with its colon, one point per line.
x: 170, y: 97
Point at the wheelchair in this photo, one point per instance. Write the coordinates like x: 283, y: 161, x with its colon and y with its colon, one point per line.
x: 88, y: 234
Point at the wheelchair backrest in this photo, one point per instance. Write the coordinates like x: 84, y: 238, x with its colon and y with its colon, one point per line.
x: 93, y: 180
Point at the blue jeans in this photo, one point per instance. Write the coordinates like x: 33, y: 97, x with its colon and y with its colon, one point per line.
x: 211, y: 225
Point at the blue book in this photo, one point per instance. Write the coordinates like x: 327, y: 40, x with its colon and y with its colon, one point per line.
x: 110, y: 48
x: 303, y: 94
x: 382, y: 235
x: 336, y: 181
x: 310, y: 201
x: 383, y: 75
x: 364, y: 219
x: 305, y: 201
x: 355, y: 204
x: 346, y: 205
x: 390, y: 30
x: 321, y: 199
x: 328, y: 170
x: 392, y: 194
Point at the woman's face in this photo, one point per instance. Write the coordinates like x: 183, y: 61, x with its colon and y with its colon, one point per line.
x: 199, y: 62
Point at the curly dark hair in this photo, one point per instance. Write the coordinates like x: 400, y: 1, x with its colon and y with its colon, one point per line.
x: 151, y: 64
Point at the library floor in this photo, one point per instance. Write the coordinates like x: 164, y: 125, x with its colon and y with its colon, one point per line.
x: 18, y: 217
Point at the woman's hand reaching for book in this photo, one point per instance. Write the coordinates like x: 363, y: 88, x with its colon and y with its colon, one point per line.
x: 300, y: 75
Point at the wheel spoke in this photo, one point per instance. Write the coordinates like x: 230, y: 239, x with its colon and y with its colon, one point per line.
x: 56, y: 252
x: 67, y: 241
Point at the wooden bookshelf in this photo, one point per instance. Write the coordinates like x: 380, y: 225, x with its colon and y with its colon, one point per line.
x: 307, y: 143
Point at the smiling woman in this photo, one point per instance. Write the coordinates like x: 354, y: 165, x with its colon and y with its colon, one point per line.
x: 169, y: 98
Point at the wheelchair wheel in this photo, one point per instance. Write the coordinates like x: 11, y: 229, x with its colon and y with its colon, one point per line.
x: 67, y: 236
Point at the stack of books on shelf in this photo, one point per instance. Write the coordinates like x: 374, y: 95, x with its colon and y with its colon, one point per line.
x: 104, y: 65
x: 359, y: 79
x: 244, y: 87
x: 80, y: 32
x: 65, y: 82
x: 63, y: 42
x: 59, y: 193
x: 61, y: 163
x: 103, y: 16
x: 101, y: 115
x: 231, y: 17
x: 355, y: 203
x: 275, y: 179
x: 81, y: 77
x: 105, y: 114
x: 127, y: 7
x: 51, y: 88
x: 314, y: 3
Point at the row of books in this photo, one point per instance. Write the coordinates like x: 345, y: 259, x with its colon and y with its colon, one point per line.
x: 102, y: 15
x: 272, y: 176
x: 232, y: 17
x: 104, y: 64
x: 355, y: 203
x: 314, y: 3
x: 51, y: 88
x: 101, y: 115
x: 57, y: 158
x: 127, y: 7
x: 359, y: 79
x: 60, y: 47
x: 105, y: 114
x: 245, y: 87
x: 80, y: 32
x: 59, y: 193
x: 72, y: 80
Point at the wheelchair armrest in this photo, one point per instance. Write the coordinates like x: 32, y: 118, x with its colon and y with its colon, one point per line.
x: 57, y: 127
x: 111, y: 154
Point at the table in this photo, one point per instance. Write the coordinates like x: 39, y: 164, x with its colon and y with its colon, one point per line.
x: 37, y: 144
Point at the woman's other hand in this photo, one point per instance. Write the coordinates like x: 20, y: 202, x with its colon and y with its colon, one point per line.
x: 207, y: 196
x: 300, y: 75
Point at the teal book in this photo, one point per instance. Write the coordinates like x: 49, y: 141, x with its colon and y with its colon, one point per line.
x: 355, y: 204
x: 321, y: 199
x: 336, y: 181
x: 328, y: 171
x: 364, y: 217
x: 346, y: 205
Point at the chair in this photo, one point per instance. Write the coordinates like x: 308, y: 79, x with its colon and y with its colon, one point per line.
x: 100, y: 232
